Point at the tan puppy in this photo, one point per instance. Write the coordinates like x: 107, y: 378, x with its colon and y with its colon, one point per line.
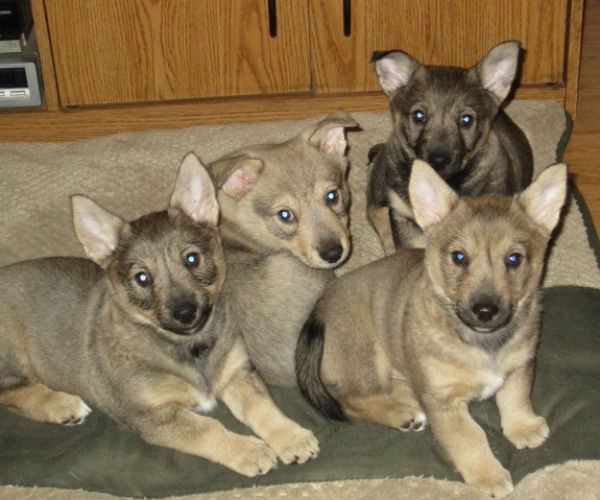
x: 422, y: 333
x: 143, y: 333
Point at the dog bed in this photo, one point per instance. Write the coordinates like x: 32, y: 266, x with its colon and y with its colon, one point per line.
x: 131, y: 174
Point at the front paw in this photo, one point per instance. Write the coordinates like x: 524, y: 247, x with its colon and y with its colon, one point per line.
x: 253, y: 458
x: 493, y: 479
x: 527, y: 432
x: 63, y: 408
x: 295, y: 445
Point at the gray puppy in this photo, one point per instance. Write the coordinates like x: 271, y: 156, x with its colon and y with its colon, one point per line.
x: 284, y: 224
x: 451, y: 118
x: 143, y: 332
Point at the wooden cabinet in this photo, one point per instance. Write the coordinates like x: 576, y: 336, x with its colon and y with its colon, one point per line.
x: 455, y: 32
x: 120, y: 51
x: 116, y: 65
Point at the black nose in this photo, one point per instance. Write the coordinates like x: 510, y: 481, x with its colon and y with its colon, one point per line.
x: 485, y: 311
x: 439, y: 159
x: 185, y: 313
x: 332, y: 253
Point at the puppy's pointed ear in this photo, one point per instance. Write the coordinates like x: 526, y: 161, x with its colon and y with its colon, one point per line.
x: 544, y: 198
x: 328, y: 135
x: 97, y: 229
x: 236, y: 176
x: 431, y: 198
x: 194, y: 192
x: 498, y: 68
x: 394, y: 70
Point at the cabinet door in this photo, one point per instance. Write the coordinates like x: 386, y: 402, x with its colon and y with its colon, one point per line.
x: 119, y: 51
x: 454, y: 32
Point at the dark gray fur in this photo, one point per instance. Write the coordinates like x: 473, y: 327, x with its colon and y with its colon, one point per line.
x: 490, y: 156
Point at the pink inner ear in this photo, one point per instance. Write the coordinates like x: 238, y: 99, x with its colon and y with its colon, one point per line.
x: 334, y: 141
x: 240, y: 181
x: 99, y: 245
x: 396, y: 75
x: 97, y: 238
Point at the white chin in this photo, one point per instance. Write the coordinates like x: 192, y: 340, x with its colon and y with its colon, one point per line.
x: 482, y: 329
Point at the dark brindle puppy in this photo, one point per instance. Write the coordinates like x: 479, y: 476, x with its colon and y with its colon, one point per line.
x: 451, y: 118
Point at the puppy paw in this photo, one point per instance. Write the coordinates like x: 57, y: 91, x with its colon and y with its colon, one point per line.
x: 527, y: 432
x: 495, y: 480
x: 416, y: 423
x: 63, y: 408
x: 296, y: 445
x: 254, y: 458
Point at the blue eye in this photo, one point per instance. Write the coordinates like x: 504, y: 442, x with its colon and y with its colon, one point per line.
x: 143, y: 279
x: 513, y: 259
x: 466, y: 120
x: 419, y: 116
x: 459, y: 258
x: 191, y: 259
x: 331, y: 197
x: 286, y: 215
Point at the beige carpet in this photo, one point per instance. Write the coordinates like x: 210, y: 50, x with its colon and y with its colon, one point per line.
x: 575, y: 480
x: 131, y: 174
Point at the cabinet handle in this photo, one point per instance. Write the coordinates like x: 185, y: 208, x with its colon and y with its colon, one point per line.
x: 272, y: 18
x: 347, y: 18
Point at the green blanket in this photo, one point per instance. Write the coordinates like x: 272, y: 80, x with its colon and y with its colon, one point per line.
x: 104, y: 456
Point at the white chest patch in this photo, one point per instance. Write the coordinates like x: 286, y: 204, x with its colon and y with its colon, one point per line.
x: 491, y: 383
x: 205, y: 404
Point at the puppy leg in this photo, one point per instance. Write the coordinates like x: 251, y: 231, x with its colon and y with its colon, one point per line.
x: 247, y: 396
x: 179, y: 428
x: 38, y: 402
x: 520, y: 424
x: 402, y: 392
x: 379, y: 217
x: 391, y: 410
x: 467, y: 445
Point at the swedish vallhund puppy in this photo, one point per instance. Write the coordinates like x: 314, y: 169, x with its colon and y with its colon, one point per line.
x: 451, y: 118
x: 284, y: 223
x: 416, y: 336
x: 142, y: 332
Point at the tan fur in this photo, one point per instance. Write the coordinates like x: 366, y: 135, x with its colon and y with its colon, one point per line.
x: 401, y: 339
x: 246, y: 395
x: 40, y: 403
x: 379, y: 217
x: 278, y: 268
x: 144, y: 333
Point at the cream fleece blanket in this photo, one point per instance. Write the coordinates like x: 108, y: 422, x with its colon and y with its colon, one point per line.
x: 131, y: 174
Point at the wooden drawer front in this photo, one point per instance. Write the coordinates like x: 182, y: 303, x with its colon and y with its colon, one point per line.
x: 119, y: 51
x: 455, y: 32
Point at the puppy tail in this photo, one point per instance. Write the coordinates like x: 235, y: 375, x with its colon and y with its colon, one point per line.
x: 374, y: 152
x: 309, y: 353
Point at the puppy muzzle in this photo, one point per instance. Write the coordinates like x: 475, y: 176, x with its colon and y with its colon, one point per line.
x: 187, y: 318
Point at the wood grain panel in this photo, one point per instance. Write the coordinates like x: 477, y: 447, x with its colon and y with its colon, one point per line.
x: 455, y: 32
x: 50, y: 97
x: 574, y: 35
x: 583, y: 149
x: 123, y: 51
